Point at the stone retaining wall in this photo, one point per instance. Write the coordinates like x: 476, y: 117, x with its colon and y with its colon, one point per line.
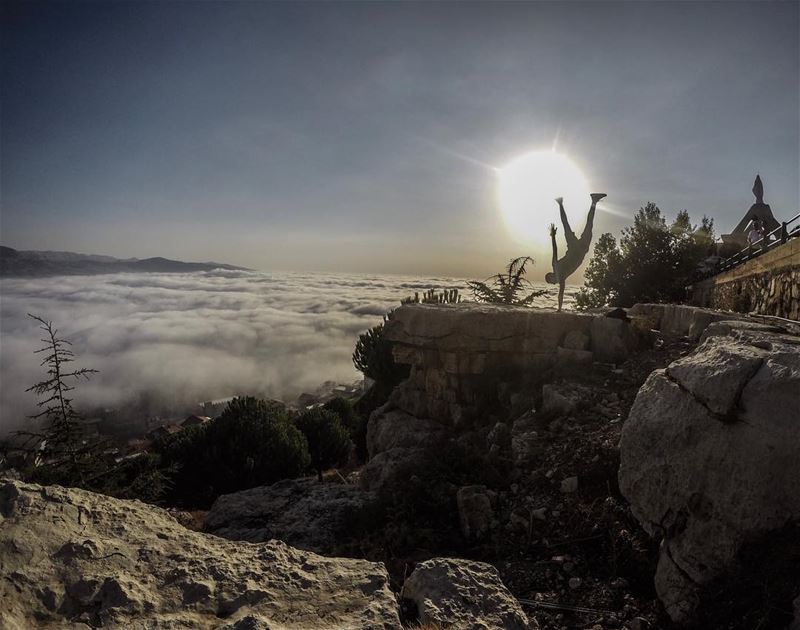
x: 465, y: 358
x: 767, y: 285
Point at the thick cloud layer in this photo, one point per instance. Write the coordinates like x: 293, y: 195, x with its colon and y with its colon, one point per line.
x: 185, y: 338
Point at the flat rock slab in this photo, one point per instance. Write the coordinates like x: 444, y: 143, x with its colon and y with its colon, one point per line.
x: 474, y: 327
x: 301, y: 512
x: 681, y: 320
x: 75, y: 559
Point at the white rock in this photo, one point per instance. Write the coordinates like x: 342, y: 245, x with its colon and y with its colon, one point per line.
x: 69, y: 556
x: 464, y: 595
x: 705, y: 481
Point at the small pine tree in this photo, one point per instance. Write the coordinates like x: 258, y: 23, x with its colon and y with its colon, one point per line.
x: 328, y: 439
x: 65, y: 454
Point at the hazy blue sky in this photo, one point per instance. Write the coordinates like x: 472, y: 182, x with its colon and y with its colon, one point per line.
x: 356, y: 136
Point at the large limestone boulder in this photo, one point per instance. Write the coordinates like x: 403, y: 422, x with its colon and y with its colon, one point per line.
x: 301, y: 512
x: 75, y: 559
x: 463, y: 595
x: 710, y: 456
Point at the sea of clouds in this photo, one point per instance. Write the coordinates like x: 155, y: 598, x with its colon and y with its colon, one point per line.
x: 186, y: 338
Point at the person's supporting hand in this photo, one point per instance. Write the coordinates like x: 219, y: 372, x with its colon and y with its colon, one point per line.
x: 553, y: 230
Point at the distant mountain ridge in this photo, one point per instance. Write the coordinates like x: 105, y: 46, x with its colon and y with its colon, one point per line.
x: 49, y: 263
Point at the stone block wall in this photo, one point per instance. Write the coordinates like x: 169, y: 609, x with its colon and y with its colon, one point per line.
x: 767, y: 285
x: 465, y: 359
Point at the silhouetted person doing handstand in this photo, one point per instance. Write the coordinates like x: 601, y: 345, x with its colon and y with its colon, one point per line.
x: 576, y: 247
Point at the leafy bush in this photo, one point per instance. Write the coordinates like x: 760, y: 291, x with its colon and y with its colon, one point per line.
x: 373, y: 357
x: 328, y: 439
x: 354, y: 422
x: 251, y: 444
x: 508, y: 287
x: 652, y: 263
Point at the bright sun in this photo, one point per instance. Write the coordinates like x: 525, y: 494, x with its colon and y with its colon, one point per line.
x: 528, y: 187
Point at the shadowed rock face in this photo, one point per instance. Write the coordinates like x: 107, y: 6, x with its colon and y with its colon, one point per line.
x: 301, y: 512
x: 710, y: 456
x: 461, y: 356
x: 74, y: 559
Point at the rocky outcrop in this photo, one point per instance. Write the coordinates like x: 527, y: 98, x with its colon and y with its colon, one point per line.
x: 463, y: 595
x: 679, y: 320
x: 301, y: 512
x: 386, y: 468
x: 463, y: 357
x: 709, y: 456
x: 393, y: 428
x: 74, y: 559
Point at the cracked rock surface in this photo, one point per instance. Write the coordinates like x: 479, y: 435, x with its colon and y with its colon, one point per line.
x: 75, y: 559
x: 301, y: 512
x: 464, y: 595
x: 710, y: 456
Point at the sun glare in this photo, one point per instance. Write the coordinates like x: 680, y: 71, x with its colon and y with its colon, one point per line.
x: 528, y: 186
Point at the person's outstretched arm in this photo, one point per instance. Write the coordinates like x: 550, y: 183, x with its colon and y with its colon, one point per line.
x: 561, y: 284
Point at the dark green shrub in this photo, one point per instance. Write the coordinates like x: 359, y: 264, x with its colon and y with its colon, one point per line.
x: 328, y: 439
x: 142, y: 477
x: 373, y: 357
x: 354, y: 422
x: 252, y: 443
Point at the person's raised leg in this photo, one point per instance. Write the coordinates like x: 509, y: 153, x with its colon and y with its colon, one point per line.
x: 587, y: 231
x: 569, y: 235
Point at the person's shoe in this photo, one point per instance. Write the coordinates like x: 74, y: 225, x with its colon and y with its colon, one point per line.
x: 560, y: 200
x: 597, y: 197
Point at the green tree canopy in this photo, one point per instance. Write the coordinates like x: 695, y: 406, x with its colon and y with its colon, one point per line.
x: 652, y: 263
x: 252, y: 443
x: 328, y: 439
